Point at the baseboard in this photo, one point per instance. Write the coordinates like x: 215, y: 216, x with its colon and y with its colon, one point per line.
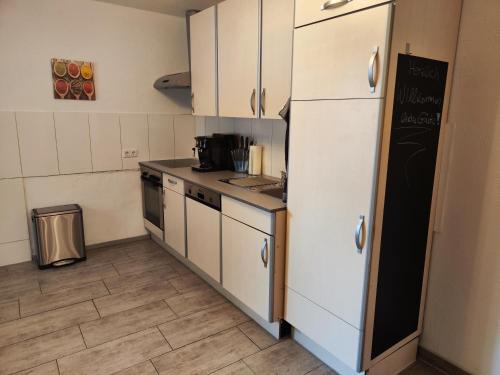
x: 440, y: 363
x: 117, y: 242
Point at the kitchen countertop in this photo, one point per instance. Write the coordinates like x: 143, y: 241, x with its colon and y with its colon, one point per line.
x: 210, y: 180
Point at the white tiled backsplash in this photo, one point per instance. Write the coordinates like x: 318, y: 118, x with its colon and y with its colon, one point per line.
x: 268, y: 133
x: 76, y: 157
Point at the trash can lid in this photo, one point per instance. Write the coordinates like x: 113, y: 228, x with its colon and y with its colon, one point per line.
x: 56, y: 210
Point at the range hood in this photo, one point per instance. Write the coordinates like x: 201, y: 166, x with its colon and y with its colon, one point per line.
x: 180, y: 80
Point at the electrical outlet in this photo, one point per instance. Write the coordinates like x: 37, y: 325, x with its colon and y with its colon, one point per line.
x: 130, y: 153
x: 125, y: 154
x: 134, y: 153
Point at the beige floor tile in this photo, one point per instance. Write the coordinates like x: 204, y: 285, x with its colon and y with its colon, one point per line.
x: 257, y: 334
x: 238, y: 368
x: 9, y: 311
x: 126, y: 322
x: 138, y: 297
x: 33, y: 352
x: 45, y: 369
x: 13, y: 287
x: 206, y: 356
x: 71, y: 277
x: 195, y: 300
x: 115, y: 355
x: 119, y: 284
x: 140, y: 265
x: 144, y: 368
x: 205, y: 323
x: 37, y: 304
x: 47, y: 322
x: 322, y: 370
x: 286, y: 357
x: 187, y: 282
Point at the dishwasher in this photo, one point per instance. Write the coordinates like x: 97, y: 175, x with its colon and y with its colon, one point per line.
x: 203, y: 217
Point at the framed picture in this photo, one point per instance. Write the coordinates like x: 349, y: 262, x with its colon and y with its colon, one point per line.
x: 72, y: 79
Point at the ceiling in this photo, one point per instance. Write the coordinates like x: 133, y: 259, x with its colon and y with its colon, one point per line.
x: 173, y: 7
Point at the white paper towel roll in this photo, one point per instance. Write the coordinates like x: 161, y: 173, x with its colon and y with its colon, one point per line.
x: 255, y: 160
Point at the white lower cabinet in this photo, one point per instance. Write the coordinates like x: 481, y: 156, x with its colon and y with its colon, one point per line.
x: 247, y: 260
x: 174, y: 221
x: 203, y: 236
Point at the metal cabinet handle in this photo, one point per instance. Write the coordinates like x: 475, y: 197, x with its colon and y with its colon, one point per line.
x: 334, y: 4
x: 359, y: 236
x: 173, y: 182
x: 252, y: 101
x: 192, y: 102
x: 263, y: 102
x: 371, y: 69
x: 264, y: 253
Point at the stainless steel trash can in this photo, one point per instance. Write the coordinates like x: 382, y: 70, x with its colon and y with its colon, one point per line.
x: 59, y: 235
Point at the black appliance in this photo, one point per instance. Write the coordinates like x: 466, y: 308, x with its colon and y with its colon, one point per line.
x: 152, y: 200
x: 214, y: 152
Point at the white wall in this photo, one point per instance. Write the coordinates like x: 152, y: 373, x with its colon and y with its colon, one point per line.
x: 462, y: 318
x: 130, y: 48
x: 64, y: 151
x: 268, y: 133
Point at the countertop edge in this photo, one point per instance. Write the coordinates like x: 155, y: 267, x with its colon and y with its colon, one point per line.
x: 171, y: 171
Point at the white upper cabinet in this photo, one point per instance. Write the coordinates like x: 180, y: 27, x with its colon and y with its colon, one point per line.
x: 329, y: 214
x: 276, y: 66
x: 204, y: 63
x: 238, y: 58
x: 309, y: 11
x: 342, y: 58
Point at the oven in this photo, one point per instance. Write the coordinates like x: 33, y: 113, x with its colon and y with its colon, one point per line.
x: 152, y: 201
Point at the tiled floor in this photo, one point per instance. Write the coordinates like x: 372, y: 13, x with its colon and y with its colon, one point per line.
x: 132, y: 309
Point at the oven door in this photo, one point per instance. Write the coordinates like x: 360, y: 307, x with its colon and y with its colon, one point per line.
x: 152, y: 204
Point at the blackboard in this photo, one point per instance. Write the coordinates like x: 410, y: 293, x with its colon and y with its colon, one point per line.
x: 416, y: 124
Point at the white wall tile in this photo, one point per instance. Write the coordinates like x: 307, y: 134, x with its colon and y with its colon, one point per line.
x: 211, y: 125
x: 73, y: 142
x: 10, y: 164
x: 37, y: 141
x: 13, y: 219
x: 161, y: 136
x: 226, y: 125
x: 243, y: 126
x: 262, y: 133
x: 278, y: 148
x: 15, y: 252
x: 105, y: 142
x: 111, y: 201
x: 200, y: 125
x: 134, y: 130
x: 184, y: 126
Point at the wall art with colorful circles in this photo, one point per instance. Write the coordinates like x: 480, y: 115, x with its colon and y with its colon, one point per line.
x: 73, y: 79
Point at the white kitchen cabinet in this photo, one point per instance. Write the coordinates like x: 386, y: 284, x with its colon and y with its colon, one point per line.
x: 334, y: 59
x: 325, y: 213
x: 174, y: 221
x: 276, y: 62
x: 238, y: 58
x: 246, y: 265
x: 203, y: 237
x: 204, y: 63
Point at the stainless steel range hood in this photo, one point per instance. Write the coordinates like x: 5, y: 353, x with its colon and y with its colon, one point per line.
x: 180, y: 80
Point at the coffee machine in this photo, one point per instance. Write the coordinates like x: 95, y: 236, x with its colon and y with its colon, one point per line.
x: 214, y: 152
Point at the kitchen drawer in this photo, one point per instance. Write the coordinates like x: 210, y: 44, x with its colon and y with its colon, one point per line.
x: 333, y: 334
x: 342, y: 58
x: 309, y: 11
x: 173, y: 183
x: 247, y: 214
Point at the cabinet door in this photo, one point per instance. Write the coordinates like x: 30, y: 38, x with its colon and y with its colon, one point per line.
x: 203, y: 236
x: 276, y: 66
x: 238, y: 58
x: 175, y: 224
x: 333, y: 163
x: 204, y: 63
x: 244, y: 273
x: 342, y: 58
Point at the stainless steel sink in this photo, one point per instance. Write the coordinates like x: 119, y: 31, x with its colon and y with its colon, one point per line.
x: 274, y: 192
